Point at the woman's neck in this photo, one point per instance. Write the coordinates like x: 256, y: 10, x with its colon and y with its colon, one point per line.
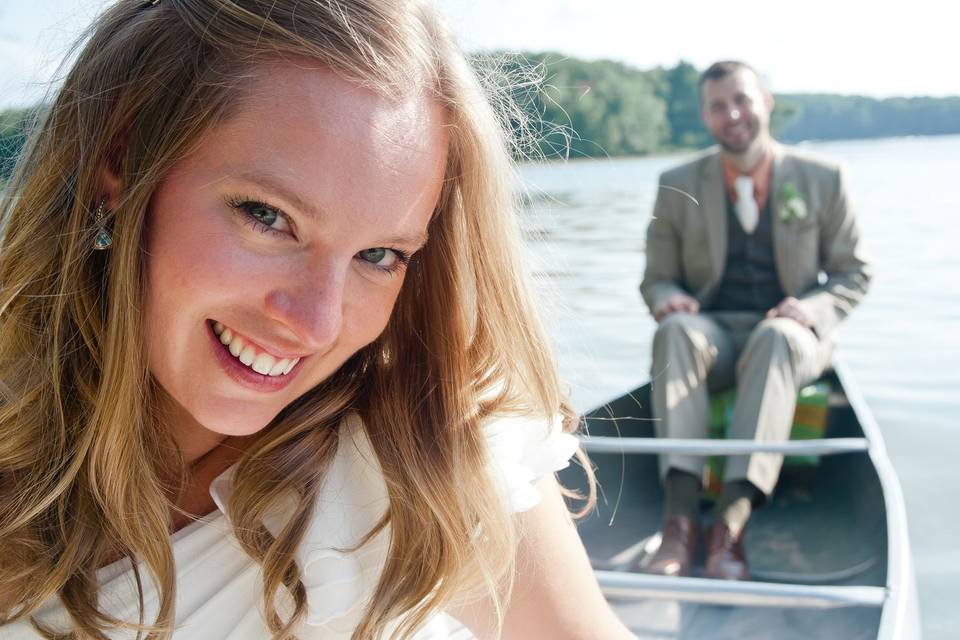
x: 207, y: 454
x: 194, y: 500
x: 193, y: 440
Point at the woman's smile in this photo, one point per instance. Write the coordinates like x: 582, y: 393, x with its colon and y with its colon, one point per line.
x: 272, y: 371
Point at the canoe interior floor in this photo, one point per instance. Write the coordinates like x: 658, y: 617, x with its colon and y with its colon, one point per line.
x: 825, y: 525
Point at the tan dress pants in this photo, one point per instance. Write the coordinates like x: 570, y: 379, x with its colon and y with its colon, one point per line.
x: 768, y: 360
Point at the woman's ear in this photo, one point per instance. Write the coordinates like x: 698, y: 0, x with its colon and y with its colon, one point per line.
x: 109, y: 186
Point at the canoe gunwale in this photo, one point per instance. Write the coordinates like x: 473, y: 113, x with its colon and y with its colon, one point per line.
x: 901, y: 613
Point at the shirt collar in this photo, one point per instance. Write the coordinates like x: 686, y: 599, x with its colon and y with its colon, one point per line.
x: 762, y: 175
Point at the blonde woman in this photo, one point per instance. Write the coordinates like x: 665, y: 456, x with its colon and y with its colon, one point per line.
x: 269, y: 367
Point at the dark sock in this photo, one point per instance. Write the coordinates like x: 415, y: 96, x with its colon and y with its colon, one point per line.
x: 736, y: 504
x: 681, y: 494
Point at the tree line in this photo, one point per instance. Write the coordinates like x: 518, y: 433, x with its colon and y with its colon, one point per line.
x: 562, y: 106
x: 607, y: 108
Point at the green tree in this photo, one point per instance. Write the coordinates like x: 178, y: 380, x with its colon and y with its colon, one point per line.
x: 683, y: 100
x: 585, y: 109
x: 12, y: 138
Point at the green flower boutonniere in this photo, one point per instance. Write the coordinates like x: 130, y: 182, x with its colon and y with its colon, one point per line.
x: 791, y: 205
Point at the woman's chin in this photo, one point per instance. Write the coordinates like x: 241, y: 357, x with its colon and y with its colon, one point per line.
x: 237, y: 425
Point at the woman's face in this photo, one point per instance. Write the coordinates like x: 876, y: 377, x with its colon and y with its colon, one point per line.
x: 276, y: 250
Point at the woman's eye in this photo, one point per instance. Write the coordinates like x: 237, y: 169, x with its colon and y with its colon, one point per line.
x: 264, y: 214
x: 263, y: 217
x: 384, y: 258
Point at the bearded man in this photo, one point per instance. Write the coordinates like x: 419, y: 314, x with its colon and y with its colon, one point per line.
x: 754, y: 256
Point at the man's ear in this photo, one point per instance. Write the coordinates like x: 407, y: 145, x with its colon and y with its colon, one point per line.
x: 109, y: 186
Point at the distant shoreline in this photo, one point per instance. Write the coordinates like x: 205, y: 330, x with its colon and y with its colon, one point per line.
x: 691, y: 150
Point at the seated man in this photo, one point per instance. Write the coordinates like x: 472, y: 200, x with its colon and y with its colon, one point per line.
x: 753, y: 257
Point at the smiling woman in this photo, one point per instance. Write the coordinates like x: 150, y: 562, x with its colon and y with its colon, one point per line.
x: 268, y: 363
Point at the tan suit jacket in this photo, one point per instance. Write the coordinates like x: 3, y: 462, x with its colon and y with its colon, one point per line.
x: 820, y: 259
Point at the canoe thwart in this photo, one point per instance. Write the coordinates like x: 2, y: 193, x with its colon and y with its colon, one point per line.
x: 639, y: 586
x: 714, y: 447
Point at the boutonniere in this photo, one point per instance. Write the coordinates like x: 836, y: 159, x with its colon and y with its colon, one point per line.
x: 792, y: 206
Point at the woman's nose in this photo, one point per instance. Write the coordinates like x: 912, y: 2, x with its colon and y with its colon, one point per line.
x: 310, y: 305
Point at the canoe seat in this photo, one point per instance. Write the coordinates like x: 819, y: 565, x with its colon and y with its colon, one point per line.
x: 809, y: 422
x: 714, y: 447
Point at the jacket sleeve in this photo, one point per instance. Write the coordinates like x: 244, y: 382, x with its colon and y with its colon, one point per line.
x: 845, y: 260
x: 663, y: 274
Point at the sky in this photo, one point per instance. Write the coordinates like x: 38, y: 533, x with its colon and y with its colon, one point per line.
x: 877, y: 48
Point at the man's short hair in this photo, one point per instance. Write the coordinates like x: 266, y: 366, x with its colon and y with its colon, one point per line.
x: 722, y: 69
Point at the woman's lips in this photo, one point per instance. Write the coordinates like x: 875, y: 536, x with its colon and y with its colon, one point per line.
x: 253, y: 355
x: 244, y: 375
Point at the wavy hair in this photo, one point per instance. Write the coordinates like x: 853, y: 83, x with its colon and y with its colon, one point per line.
x: 82, y: 444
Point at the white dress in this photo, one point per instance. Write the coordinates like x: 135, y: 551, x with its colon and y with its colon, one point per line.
x: 219, y: 591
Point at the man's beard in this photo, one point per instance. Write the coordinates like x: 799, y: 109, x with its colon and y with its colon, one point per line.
x: 737, y: 149
x: 753, y: 132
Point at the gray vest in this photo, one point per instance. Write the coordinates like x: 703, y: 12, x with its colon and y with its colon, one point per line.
x: 750, y: 281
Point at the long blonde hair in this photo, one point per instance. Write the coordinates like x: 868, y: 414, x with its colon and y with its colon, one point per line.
x: 78, y: 449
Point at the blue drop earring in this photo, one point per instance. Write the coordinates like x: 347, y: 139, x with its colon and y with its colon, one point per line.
x: 103, y: 239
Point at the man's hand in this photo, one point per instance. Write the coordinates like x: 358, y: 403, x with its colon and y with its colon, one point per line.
x: 790, y: 308
x: 677, y: 303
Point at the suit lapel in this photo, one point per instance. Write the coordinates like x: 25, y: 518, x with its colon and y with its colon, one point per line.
x: 782, y: 240
x: 713, y: 203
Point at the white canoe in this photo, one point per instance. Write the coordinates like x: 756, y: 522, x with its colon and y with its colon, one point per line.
x: 830, y: 554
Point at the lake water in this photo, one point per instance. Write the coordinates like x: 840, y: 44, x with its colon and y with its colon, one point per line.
x: 586, y: 221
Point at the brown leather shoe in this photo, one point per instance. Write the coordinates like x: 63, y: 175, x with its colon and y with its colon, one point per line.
x: 677, y: 544
x: 726, y: 559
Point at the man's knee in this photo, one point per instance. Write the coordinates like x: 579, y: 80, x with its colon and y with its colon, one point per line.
x: 680, y: 326
x: 774, y: 336
x: 775, y: 331
x: 687, y: 334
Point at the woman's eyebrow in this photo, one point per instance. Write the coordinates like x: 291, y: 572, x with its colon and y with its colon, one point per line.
x: 416, y: 240
x: 276, y: 185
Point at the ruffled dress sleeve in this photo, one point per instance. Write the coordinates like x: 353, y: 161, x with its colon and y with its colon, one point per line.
x: 522, y: 451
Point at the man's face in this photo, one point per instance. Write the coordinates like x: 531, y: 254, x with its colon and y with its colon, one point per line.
x: 736, y: 110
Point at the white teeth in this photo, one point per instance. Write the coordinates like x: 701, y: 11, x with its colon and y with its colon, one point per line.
x: 236, y: 346
x: 247, y: 355
x: 263, y: 363
x: 279, y: 367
